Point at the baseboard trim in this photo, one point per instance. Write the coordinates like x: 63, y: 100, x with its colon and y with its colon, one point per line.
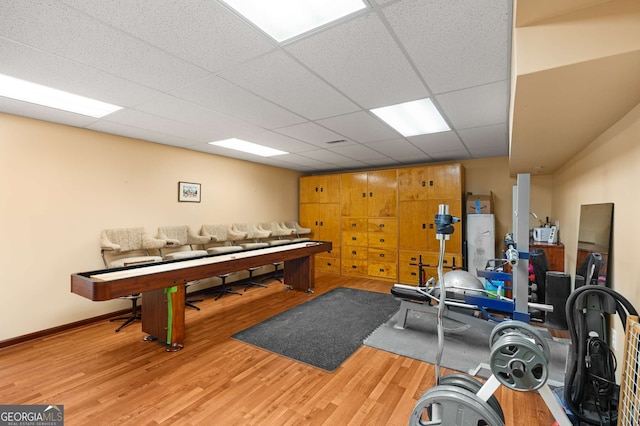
x: 65, y: 327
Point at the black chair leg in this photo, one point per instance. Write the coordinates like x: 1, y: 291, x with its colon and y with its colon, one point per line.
x: 251, y: 282
x: 135, y: 315
x: 223, y: 288
x: 190, y: 303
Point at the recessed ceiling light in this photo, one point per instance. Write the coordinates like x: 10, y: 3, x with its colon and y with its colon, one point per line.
x: 26, y: 91
x: 413, y: 118
x: 250, y: 147
x: 285, y: 19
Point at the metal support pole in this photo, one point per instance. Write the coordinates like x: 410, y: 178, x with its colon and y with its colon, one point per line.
x: 521, y: 192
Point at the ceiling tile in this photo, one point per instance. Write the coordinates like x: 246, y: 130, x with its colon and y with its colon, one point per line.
x: 226, y: 98
x: 451, y: 155
x: 395, y: 148
x: 360, y: 127
x: 154, y: 123
x: 358, y: 152
x: 69, y: 33
x: 372, y: 57
x: 313, y: 133
x: 437, y: 142
x: 454, y: 44
x: 54, y: 71
x: 484, y: 137
x: 480, y: 106
x: 204, y: 33
x: 44, y: 113
x: 327, y: 156
x: 283, y: 81
x: 142, y: 134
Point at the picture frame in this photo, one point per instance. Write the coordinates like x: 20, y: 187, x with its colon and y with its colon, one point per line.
x: 189, y: 192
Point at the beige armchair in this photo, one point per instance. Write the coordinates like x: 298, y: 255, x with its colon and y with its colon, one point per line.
x: 223, y: 238
x: 279, y: 234
x: 128, y: 246
x: 180, y: 245
x: 298, y: 230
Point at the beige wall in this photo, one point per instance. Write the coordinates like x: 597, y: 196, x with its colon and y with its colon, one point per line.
x: 61, y: 185
x: 606, y: 171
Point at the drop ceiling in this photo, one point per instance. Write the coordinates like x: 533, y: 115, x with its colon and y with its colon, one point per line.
x: 192, y: 71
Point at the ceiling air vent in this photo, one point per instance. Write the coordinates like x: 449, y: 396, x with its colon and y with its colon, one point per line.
x: 336, y: 141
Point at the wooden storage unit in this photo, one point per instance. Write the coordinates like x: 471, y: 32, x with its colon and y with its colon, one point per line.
x: 369, y: 226
x: 320, y: 211
x: 381, y: 221
x: 421, y: 190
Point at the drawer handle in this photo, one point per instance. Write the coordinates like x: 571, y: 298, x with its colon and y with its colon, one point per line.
x: 371, y: 194
x: 424, y: 226
x: 321, y: 189
x: 381, y: 254
x: 353, y: 252
x: 413, y: 274
x: 414, y: 258
x: 354, y: 267
x: 354, y: 238
x: 424, y: 183
x: 382, y: 240
x: 431, y: 226
x: 430, y: 183
x: 364, y: 195
x: 316, y: 189
x: 353, y: 225
x: 329, y: 264
x: 382, y: 225
x: 381, y: 270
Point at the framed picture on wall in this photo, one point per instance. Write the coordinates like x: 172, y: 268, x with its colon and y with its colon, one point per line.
x: 189, y: 192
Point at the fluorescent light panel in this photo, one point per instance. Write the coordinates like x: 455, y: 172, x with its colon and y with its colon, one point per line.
x: 285, y: 19
x: 250, y: 147
x: 26, y: 91
x: 413, y: 118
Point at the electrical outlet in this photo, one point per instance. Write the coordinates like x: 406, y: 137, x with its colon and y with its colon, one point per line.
x: 614, y: 339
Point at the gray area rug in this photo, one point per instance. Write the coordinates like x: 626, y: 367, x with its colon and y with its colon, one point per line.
x: 326, y: 330
x: 464, y: 351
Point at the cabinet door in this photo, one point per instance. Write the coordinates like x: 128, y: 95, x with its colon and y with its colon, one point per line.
x: 382, y: 188
x: 323, y: 220
x: 413, y: 222
x: 320, y: 189
x: 413, y: 183
x: 330, y: 223
x: 454, y: 244
x: 445, y: 181
x: 353, y: 194
x: 408, y: 270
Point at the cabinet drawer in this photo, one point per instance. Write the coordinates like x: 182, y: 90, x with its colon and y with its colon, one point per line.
x: 354, y: 239
x: 383, y: 255
x: 353, y: 224
x: 383, y: 240
x: 383, y: 270
x: 354, y: 252
x: 327, y: 264
x: 355, y: 267
x: 385, y: 226
x: 333, y: 253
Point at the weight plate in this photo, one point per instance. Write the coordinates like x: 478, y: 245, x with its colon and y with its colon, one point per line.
x: 513, y: 326
x: 518, y: 363
x: 473, y: 385
x: 453, y: 406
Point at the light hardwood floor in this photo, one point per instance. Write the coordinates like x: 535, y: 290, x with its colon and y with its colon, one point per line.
x: 107, y: 378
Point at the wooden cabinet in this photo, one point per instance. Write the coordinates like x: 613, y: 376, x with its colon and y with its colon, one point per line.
x: 421, y: 190
x: 369, y: 226
x: 320, y: 211
x: 320, y: 189
x: 369, y: 194
x: 381, y: 221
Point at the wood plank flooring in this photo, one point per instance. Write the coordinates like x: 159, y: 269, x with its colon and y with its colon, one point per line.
x: 107, y: 378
